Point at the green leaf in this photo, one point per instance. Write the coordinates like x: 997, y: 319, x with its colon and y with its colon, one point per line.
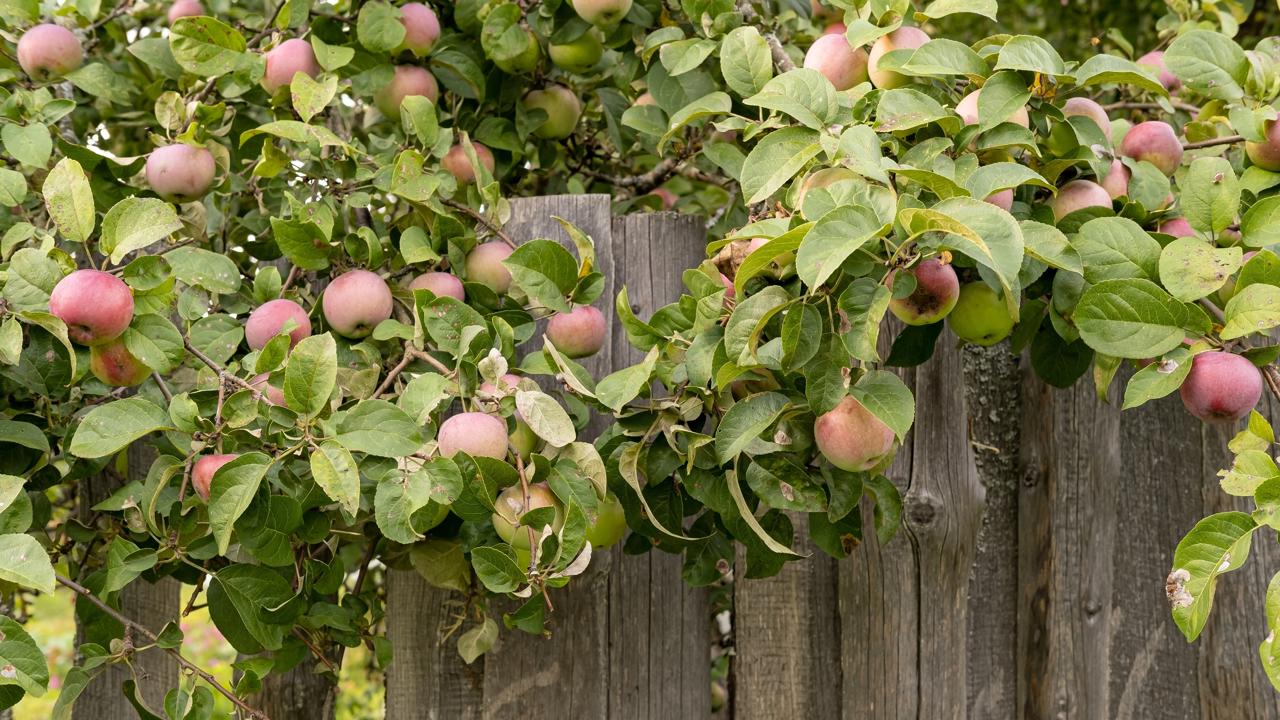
x: 804, y: 94
x: 198, y: 267
x: 1114, y: 248
x: 545, y: 271
x: 19, y: 652
x: 13, y: 187
x: 302, y: 242
x: 1111, y: 70
x: 478, y: 640
x: 621, y: 387
x: 240, y: 596
x: 833, y: 238
x: 1250, y: 469
x: 125, y: 562
x: 942, y: 8
x: 379, y: 27
x: 311, y: 375
x: 28, y: 144
x: 109, y: 428
x: 943, y: 57
x: 231, y: 491
x: 1217, y: 544
x: 336, y: 473
x: 745, y: 61
x: 1135, y: 319
x: 442, y: 564
x: 136, y: 222
x: 398, y: 496
x: 310, y: 97
x: 69, y: 200
x: 546, y: 417
x: 1255, y: 309
x: 379, y: 428
x: 206, y: 46
x: 776, y: 159
x: 1260, y: 225
x: 1191, y: 268
x: 735, y: 491
x: 24, y: 562
x: 744, y: 422
x: 1269, y: 650
x: 496, y: 567
x: 1031, y: 53
x: 1210, y: 63
x: 907, y: 109
x: 888, y: 398
x: 1210, y: 196
x: 1158, y: 379
x: 1050, y: 246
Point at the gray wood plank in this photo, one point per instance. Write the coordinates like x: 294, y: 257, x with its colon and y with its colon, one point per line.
x: 427, y: 679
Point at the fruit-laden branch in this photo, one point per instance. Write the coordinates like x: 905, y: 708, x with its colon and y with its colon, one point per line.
x: 142, y: 630
x: 781, y: 60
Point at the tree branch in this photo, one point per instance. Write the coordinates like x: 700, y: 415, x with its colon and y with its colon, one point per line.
x: 142, y: 630
x: 1177, y: 105
x: 1225, y: 140
x: 410, y: 354
x: 484, y: 222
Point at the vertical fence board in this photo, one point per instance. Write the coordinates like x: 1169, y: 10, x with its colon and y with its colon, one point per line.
x: 427, y: 679
x: 659, y: 655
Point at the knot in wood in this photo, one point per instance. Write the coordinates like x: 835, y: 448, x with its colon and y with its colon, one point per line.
x: 922, y: 509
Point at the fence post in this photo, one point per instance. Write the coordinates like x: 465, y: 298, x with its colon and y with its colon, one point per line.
x: 628, y: 639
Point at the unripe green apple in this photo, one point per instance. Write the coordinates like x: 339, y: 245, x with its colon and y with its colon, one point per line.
x: 1084, y: 107
x: 421, y: 28
x: 202, y: 472
x: 407, y: 80
x: 97, y: 307
x: 578, y: 333
x: 1155, y: 61
x: 457, y: 164
x: 442, y: 284
x: 180, y: 172
x: 49, y: 51
x: 845, y: 66
x: 269, y: 319
x: 474, y: 433
x: 1078, y: 195
x: 935, y: 295
x: 980, y: 316
x: 287, y: 59
x: 1156, y: 142
x: 602, y: 13
x: 511, y: 506
x: 1266, y: 155
x: 851, y: 437
x: 904, y: 38
x: 523, y: 440
x: 355, y: 302
x: 484, y: 266
x: 114, y: 365
x: 1221, y: 388
x: 562, y: 107
x: 185, y: 8
x: 578, y: 55
x: 525, y: 61
x: 610, y: 523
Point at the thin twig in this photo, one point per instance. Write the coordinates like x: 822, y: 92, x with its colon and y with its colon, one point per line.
x: 410, y: 354
x: 1269, y: 373
x: 288, y: 281
x: 164, y: 388
x: 482, y: 220
x: 1213, y: 310
x: 220, y: 370
x: 1177, y: 105
x: 1225, y: 140
x: 85, y: 593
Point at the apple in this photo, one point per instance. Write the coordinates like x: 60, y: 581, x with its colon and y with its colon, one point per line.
x: 1177, y: 227
x: 511, y: 506
x: 421, y: 28
x: 272, y: 394
x: 185, y: 8
x: 407, y: 80
x: 936, y: 292
x: 562, y: 107
x: 835, y: 28
x: 442, y: 284
x: 474, y: 433
x: 457, y: 164
x: 980, y: 316
x: 484, y: 265
x: 1266, y: 155
x: 851, y: 437
x: 826, y: 177
x: 1156, y: 142
x: 610, y: 523
x: 668, y: 198
x: 904, y: 38
x: 202, y: 472
x: 113, y: 364
x: 355, y: 302
x: 578, y: 333
x: 1221, y: 388
x: 1084, y: 107
x: 1002, y: 199
x: 1078, y: 195
x: 967, y: 109
x: 97, y: 307
x: 1155, y: 60
x: 845, y: 66
x: 269, y: 319
x: 180, y: 172
x: 602, y: 13
x: 525, y: 61
x: 1116, y: 183
x: 578, y: 55
x: 49, y: 51
x: 287, y: 59
x: 507, y: 384
x: 646, y: 98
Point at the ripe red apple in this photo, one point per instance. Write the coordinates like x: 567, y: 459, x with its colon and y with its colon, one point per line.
x: 562, y: 107
x: 602, y: 13
x: 843, y: 65
x: 180, y: 172
x: 578, y: 333
x: 1078, y: 195
x: 508, y: 383
x: 1116, y: 183
x: 475, y: 434
x: 610, y: 523
x: 185, y: 8
x: 421, y: 28
x: 1221, y: 388
x: 967, y: 109
x: 578, y: 55
x: 1266, y: 155
x: 1177, y: 227
x: 668, y: 198
x: 408, y: 80
x: 645, y: 98
x: 1155, y: 60
x: 286, y: 60
x: 456, y: 163
x: 49, y: 51
x: 1085, y: 107
x: 273, y: 394
x: 1156, y: 142
x: 510, y: 507
x: 443, y: 284
x: 202, y: 472
x: 113, y: 364
x: 269, y: 319
x: 851, y: 437
x: 355, y: 302
x: 980, y: 316
x: 97, y: 307
x: 826, y: 177
x: 484, y: 265
x: 1002, y: 199
x: 936, y: 292
x: 904, y: 38
x: 835, y: 28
